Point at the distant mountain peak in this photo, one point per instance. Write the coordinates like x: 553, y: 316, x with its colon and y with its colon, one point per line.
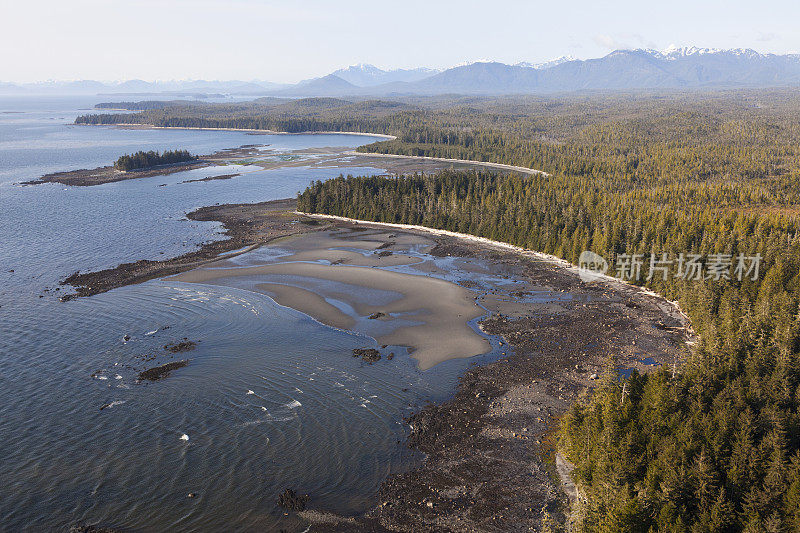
x: 366, y: 75
x: 547, y: 64
x: 674, y: 51
x: 360, y: 67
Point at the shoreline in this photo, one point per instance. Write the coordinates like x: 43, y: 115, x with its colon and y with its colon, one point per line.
x: 246, y: 226
x: 98, y: 176
x: 134, y: 125
x: 491, y: 461
x: 524, y: 252
x: 489, y: 447
x: 499, y: 166
x: 409, y: 312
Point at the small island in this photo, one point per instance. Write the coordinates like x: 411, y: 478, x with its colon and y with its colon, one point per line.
x: 129, y: 166
x: 142, y: 160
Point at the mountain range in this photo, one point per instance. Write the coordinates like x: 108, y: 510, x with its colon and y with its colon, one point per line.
x: 673, y: 68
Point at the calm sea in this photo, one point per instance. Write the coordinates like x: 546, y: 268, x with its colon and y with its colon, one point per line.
x: 317, y: 420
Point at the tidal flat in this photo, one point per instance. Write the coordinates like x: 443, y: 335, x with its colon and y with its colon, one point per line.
x: 417, y: 296
x: 272, y: 397
x: 343, y: 276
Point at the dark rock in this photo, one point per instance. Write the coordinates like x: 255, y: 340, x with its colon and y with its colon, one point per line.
x: 375, y: 316
x: 292, y: 501
x: 370, y: 355
x: 184, y: 346
x: 160, y: 372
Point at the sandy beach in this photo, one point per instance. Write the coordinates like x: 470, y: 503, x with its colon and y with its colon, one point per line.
x: 321, y: 267
x: 488, y: 451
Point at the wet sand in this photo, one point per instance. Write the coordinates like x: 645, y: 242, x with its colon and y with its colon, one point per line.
x: 440, y: 309
x: 490, y: 458
x: 246, y: 226
x: 268, y: 159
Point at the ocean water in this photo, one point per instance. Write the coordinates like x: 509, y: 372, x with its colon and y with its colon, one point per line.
x: 269, y: 400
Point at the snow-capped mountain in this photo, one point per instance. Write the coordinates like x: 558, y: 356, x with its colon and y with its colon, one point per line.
x: 364, y: 75
x: 674, y: 52
x: 546, y: 64
x: 673, y: 68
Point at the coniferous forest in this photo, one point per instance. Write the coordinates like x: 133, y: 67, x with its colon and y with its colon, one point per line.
x: 714, y: 175
x: 142, y: 159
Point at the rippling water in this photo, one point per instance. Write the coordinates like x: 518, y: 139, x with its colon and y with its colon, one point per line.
x: 270, y: 399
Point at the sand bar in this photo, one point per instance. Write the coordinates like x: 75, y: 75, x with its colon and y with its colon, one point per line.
x: 439, y: 309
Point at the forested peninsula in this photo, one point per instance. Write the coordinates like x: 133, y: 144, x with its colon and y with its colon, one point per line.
x: 658, y: 179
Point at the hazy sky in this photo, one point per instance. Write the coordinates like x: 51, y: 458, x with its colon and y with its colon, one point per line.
x: 288, y: 41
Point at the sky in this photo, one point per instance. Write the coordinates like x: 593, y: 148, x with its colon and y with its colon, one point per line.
x: 287, y: 41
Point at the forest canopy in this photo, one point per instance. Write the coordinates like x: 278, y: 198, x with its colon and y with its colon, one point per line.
x: 141, y: 159
x: 715, y: 447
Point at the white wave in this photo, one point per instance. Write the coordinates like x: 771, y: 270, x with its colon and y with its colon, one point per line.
x: 269, y: 420
x: 151, y: 332
x: 294, y: 404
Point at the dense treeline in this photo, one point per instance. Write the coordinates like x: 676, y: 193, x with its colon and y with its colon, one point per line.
x: 715, y: 448
x: 309, y: 114
x: 142, y: 159
x: 668, y: 137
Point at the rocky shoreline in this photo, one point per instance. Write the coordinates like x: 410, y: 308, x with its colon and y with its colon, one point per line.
x: 246, y: 226
x: 98, y: 176
x: 491, y: 455
x: 490, y: 450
